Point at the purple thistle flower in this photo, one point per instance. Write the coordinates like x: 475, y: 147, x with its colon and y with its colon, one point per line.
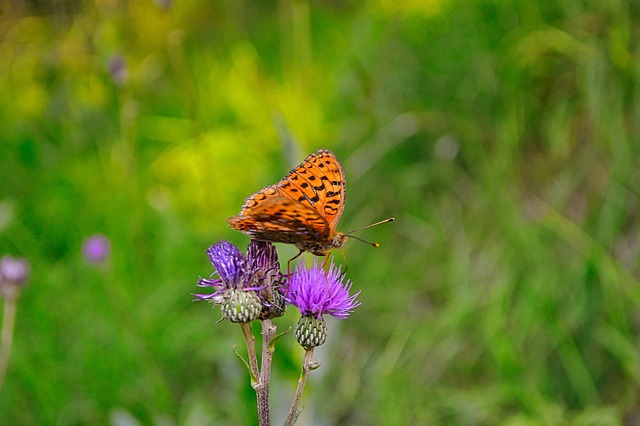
x: 13, y: 275
x: 264, y: 268
x: 239, y: 301
x: 263, y: 258
x: 316, y: 293
x: 96, y: 249
x: 230, y: 264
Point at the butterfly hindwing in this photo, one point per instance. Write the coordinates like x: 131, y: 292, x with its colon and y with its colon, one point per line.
x: 280, y: 219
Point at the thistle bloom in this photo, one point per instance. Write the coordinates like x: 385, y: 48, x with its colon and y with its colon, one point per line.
x: 263, y: 260
x: 234, y: 290
x: 13, y: 275
x: 96, y: 249
x: 264, y: 268
x: 316, y: 293
x: 230, y: 264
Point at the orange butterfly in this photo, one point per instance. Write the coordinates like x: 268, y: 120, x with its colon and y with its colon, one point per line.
x: 302, y: 209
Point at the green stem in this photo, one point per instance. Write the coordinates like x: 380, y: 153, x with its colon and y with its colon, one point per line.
x: 250, y: 340
x: 257, y: 379
x: 302, y: 381
x: 268, y: 333
x: 8, y: 321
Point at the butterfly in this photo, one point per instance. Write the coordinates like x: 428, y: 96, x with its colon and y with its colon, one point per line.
x: 304, y: 208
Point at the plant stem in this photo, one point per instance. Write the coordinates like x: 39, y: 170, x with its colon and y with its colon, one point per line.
x: 260, y: 377
x: 268, y: 333
x: 250, y: 341
x: 8, y: 321
x: 302, y: 381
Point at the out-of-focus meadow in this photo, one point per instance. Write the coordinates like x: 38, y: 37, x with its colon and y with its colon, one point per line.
x: 503, y: 135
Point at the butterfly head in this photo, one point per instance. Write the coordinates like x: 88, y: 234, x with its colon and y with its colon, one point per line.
x: 339, y: 239
x: 322, y: 248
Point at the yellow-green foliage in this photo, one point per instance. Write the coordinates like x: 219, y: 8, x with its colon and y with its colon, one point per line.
x: 503, y: 135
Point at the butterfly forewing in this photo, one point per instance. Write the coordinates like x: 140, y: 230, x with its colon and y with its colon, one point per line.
x: 319, y: 183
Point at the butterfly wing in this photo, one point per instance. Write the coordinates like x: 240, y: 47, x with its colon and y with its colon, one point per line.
x: 281, y: 220
x: 303, y: 208
x: 319, y: 183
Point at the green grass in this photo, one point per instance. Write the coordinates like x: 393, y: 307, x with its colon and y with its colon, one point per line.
x: 502, y: 135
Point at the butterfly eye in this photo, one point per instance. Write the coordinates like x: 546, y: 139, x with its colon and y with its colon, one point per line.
x: 339, y: 240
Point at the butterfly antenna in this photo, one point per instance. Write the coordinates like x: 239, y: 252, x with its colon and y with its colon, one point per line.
x: 349, y: 234
x: 389, y: 219
x: 365, y: 241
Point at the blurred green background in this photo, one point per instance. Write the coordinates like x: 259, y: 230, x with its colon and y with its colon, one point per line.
x: 503, y: 135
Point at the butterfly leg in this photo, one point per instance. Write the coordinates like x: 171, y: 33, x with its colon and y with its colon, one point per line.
x: 327, y: 258
x: 291, y: 260
x: 346, y: 263
x: 325, y: 264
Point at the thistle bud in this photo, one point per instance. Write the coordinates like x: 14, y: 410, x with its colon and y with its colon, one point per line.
x: 311, y: 331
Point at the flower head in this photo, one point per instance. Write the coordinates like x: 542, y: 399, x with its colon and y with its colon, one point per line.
x: 316, y: 293
x: 264, y: 268
x: 230, y: 264
x: 234, y: 292
x: 96, y: 249
x: 13, y: 275
x: 263, y: 259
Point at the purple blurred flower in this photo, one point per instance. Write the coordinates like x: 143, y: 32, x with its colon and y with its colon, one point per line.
x: 164, y: 4
x: 96, y: 249
x: 118, y: 69
x: 316, y: 293
x: 13, y: 274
